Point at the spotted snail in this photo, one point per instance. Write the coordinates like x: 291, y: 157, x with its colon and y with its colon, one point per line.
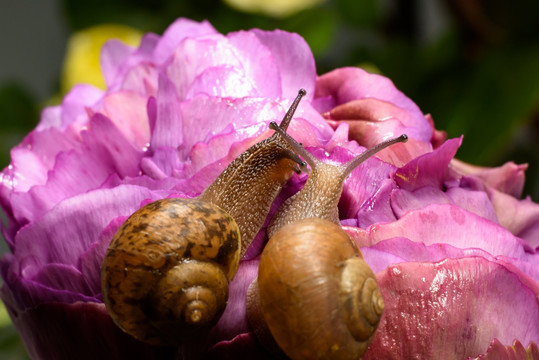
x: 165, y: 275
x: 166, y: 272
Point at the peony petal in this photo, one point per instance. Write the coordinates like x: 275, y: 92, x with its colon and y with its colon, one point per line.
x: 62, y: 277
x: 127, y: 110
x: 429, y: 169
x: 76, y: 103
x: 294, y: 59
x: 452, y: 310
x: 407, y: 250
x: 113, y: 54
x: 374, y: 120
x: 497, y: 350
x: 67, y: 230
x: 234, y: 319
x: 177, y: 32
x: 167, y: 128
x: 195, y: 56
x: 243, y: 346
x: 521, y: 217
x: 451, y: 225
x: 44, y: 331
x: 259, y: 64
x: 107, y: 152
x: 221, y: 81
x: 90, y: 261
x: 377, y: 208
x: 476, y: 202
x: 348, y: 84
x: 508, y: 178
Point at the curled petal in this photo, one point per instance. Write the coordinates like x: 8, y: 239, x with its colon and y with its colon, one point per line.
x: 508, y: 178
x: 348, y: 84
x: 428, y: 169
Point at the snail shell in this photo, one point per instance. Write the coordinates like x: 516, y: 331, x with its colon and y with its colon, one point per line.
x: 166, y: 272
x: 320, y: 299
x: 164, y: 279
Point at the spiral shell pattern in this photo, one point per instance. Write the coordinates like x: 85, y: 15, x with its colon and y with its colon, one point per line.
x: 165, y: 275
x: 314, y: 288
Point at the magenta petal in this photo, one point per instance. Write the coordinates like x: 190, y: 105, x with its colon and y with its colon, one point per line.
x: 404, y: 249
x: 62, y: 277
x: 258, y: 63
x: 451, y: 225
x: 90, y: 330
x: 377, y: 208
x: 497, y: 351
x: 90, y: 261
x: 166, y: 131
x: 76, y: 104
x: 105, y: 151
x: 113, y: 54
x: 508, y: 178
x: 363, y: 184
x: 294, y: 59
x: 242, y: 347
x: 476, y: 202
x: 234, y: 319
x: 429, y: 169
x: 177, y: 32
x: 127, y: 110
x: 521, y: 217
x: 348, y: 84
x: 374, y: 120
x: 452, y: 310
x: 67, y: 230
x: 221, y: 81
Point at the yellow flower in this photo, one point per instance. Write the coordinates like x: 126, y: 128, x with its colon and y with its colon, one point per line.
x: 81, y: 63
x: 276, y: 8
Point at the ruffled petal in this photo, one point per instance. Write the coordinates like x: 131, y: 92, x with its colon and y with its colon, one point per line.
x: 348, y: 84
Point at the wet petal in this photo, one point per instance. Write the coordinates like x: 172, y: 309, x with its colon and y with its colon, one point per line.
x: 452, y: 309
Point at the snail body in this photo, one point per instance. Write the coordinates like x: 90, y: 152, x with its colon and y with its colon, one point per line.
x: 165, y: 274
x: 315, y: 297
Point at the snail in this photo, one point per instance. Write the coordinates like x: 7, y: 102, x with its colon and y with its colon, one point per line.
x: 166, y: 271
x: 315, y: 297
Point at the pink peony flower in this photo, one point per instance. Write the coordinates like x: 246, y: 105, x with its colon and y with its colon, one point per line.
x: 454, y: 249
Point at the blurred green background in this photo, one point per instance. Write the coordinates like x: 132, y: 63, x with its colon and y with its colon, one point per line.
x: 473, y: 65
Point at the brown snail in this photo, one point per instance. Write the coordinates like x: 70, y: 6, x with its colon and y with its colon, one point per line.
x: 315, y: 297
x: 166, y: 272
